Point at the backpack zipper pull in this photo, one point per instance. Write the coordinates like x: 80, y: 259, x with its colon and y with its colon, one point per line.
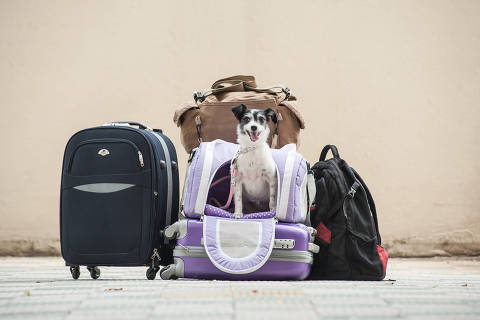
x: 140, y: 158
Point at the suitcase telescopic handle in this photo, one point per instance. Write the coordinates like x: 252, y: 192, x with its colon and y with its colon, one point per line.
x: 131, y: 123
x: 325, y: 150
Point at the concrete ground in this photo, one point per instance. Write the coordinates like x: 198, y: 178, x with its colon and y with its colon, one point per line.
x: 42, y: 288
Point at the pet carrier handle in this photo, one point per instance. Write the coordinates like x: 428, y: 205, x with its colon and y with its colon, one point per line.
x: 325, y: 150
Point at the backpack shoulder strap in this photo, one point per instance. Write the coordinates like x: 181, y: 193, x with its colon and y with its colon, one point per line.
x: 337, y: 175
x: 337, y: 206
x: 371, y: 203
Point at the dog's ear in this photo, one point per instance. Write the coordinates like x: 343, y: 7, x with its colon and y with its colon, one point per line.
x: 271, y: 114
x: 239, y: 111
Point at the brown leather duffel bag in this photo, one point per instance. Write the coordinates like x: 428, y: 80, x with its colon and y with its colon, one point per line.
x: 210, y: 117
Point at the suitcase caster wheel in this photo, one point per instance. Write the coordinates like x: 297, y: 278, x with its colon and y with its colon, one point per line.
x: 152, y: 272
x: 75, y: 271
x: 94, y: 272
x: 168, y: 273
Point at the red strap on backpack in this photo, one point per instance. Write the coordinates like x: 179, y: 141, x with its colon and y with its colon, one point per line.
x: 323, y: 233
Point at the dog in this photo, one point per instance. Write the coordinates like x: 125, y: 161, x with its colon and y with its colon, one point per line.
x: 254, y: 173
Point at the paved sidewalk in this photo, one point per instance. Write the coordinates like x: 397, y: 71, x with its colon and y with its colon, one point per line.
x: 42, y: 288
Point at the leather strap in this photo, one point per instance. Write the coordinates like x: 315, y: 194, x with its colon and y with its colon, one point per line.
x: 239, y: 84
x: 250, y: 80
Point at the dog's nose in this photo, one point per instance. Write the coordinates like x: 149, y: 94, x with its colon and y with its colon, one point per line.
x: 254, y: 128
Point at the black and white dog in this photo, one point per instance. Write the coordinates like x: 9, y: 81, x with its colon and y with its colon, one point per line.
x: 254, y: 173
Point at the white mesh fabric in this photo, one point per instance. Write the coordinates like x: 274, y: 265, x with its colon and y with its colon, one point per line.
x: 239, y: 239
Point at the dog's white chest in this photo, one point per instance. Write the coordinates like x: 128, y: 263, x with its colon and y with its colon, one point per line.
x: 255, y: 171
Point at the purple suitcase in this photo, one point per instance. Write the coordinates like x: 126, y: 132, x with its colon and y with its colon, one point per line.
x: 225, y: 255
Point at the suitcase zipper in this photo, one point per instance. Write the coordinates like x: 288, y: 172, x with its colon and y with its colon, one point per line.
x: 185, y: 182
x: 140, y: 158
x: 168, y: 214
x: 276, y: 255
x: 91, y: 141
x: 155, y: 258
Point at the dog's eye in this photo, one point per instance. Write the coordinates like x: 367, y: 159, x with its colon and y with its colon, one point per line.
x: 246, y: 119
x: 261, y: 120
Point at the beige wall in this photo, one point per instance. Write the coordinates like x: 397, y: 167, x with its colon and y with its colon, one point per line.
x: 395, y: 84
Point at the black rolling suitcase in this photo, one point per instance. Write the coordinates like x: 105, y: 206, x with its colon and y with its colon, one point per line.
x: 119, y: 190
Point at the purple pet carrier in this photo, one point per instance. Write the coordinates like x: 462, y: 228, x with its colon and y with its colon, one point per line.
x: 211, y: 163
x: 269, y: 245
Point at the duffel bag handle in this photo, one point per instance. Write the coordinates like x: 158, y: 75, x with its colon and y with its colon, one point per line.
x: 131, y: 123
x: 325, y: 150
x: 239, y: 83
x: 272, y: 90
x: 249, y: 80
x: 230, y: 84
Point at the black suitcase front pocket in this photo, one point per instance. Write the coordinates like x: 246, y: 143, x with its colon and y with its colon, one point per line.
x: 103, y: 218
x: 105, y: 156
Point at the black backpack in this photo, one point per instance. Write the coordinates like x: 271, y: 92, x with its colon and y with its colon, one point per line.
x: 346, y: 221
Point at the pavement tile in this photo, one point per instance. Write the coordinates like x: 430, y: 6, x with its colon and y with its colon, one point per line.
x: 428, y: 309
x: 34, y: 316
x: 193, y: 308
x: 424, y: 289
x: 348, y: 300
x: 117, y: 303
x: 445, y: 317
x: 44, y: 308
x: 446, y: 299
x: 188, y: 316
x: 275, y: 314
x: 12, y: 294
x: 357, y: 310
x: 108, y: 314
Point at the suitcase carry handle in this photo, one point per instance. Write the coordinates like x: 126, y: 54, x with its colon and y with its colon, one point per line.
x: 325, y: 150
x: 131, y: 123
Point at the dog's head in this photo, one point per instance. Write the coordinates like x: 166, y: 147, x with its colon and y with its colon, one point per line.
x: 252, y: 125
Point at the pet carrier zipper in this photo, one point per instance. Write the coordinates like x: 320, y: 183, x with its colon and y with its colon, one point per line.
x: 216, y: 170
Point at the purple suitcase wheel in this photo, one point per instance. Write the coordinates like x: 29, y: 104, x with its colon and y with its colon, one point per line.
x: 168, y: 273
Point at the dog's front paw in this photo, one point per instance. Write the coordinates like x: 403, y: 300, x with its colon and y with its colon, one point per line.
x: 238, y: 215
